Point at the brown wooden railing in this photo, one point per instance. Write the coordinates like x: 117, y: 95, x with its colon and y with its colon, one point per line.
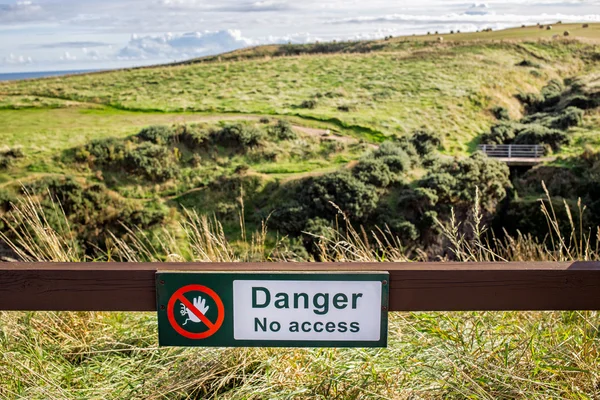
x: 413, y: 286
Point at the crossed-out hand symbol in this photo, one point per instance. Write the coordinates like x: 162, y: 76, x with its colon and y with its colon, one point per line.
x: 200, y: 304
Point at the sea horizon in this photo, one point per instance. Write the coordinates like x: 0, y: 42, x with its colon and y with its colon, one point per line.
x: 15, y: 76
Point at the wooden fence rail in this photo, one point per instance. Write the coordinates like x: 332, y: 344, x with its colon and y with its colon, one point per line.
x: 413, y: 286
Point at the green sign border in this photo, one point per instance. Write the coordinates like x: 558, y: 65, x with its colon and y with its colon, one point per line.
x: 222, y: 283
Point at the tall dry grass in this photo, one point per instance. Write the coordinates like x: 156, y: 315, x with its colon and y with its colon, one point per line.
x: 487, y: 355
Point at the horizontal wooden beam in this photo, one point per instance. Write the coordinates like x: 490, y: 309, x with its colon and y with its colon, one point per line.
x: 413, y: 286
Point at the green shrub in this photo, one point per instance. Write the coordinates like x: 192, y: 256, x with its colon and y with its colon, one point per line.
x: 456, y: 182
x: 7, y: 157
x: 94, y: 214
x: 5, y: 162
x: 152, y: 161
x: 539, y: 134
x: 399, y: 156
x: 104, y: 151
x: 582, y: 101
x: 373, y: 171
x: 157, y: 134
x: 193, y: 137
x: 425, y: 142
x: 502, y: 133
x: 239, y: 136
x: 528, y: 63
x: 551, y: 93
x: 568, y: 117
x: 560, y: 181
x: 309, y: 104
x: 501, y: 113
x: 355, y: 198
x: 7, y: 199
x: 282, y: 130
x: 291, y: 218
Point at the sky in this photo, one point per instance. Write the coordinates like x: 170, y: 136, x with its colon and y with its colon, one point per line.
x: 55, y: 35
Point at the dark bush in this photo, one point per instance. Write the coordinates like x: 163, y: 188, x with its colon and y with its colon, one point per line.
x: 13, y: 152
x: 94, y: 214
x: 355, y: 198
x: 283, y: 130
x: 5, y: 162
x: 104, y: 151
x: 425, y: 142
x: 571, y: 116
x: 309, y: 104
x: 155, y: 162
x: 530, y: 100
x: 582, y: 101
x: 551, y: 93
x: 501, y: 113
x: 193, y: 137
x: 7, y: 157
x: 560, y: 181
x: 528, y: 63
x: 539, y: 134
x: 7, y: 199
x: 157, y: 134
x: 502, y: 133
x: 373, y: 171
x: 396, y: 155
x: 455, y: 182
x: 239, y: 136
x: 291, y: 218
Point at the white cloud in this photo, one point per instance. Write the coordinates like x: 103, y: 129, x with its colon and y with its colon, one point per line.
x: 68, y: 57
x: 21, y: 11
x: 197, y: 44
x: 481, y: 18
x: 13, y: 59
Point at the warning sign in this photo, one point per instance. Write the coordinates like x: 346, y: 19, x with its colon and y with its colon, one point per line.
x: 251, y: 309
x: 194, y: 313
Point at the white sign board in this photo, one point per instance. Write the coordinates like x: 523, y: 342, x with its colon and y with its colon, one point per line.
x: 289, y: 310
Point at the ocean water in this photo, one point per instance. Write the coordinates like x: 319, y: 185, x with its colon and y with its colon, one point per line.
x: 14, y: 76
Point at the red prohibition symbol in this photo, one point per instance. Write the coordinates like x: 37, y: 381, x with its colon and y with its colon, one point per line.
x: 212, y: 326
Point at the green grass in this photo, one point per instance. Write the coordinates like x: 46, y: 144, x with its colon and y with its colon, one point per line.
x: 453, y: 355
x: 446, y: 88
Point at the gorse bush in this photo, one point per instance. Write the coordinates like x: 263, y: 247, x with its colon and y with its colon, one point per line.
x: 157, y: 134
x: 151, y: 161
x: 425, y: 142
x: 563, y: 120
x: 398, y: 156
x: 8, y: 156
x: 239, y: 136
x: 501, y: 113
x: 539, y: 134
x: 309, y: 104
x: 551, y: 114
x: 374, y: 171
x: 94, y: 215
x: 282, y: 130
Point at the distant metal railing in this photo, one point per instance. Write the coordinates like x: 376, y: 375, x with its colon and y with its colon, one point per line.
x: 512, y: 150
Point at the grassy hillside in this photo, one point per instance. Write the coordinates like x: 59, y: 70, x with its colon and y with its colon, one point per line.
x: 342, y: 100
x: 399, y: 85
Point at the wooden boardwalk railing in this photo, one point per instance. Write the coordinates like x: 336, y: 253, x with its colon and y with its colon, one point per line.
x: 512, y: 150
x: 413, y: 286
